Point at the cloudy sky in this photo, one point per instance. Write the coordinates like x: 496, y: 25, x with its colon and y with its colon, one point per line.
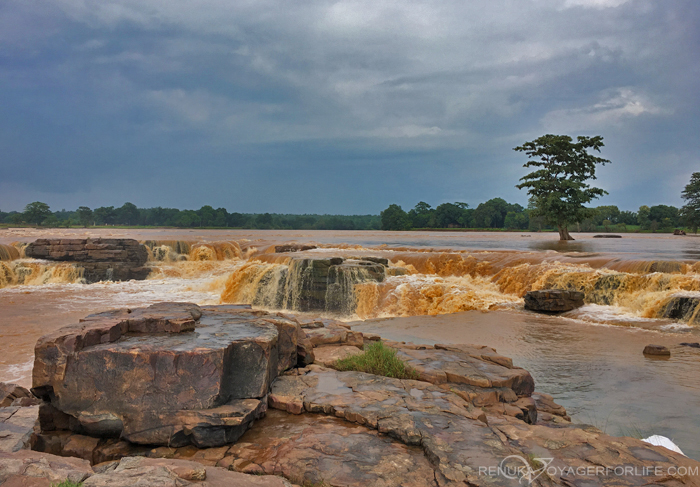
x: 338, y: 107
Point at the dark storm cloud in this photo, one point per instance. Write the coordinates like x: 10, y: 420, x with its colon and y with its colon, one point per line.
x: 342, y: 107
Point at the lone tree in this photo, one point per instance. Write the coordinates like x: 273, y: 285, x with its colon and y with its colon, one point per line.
x: 558, y: 187
x: 690, y: 212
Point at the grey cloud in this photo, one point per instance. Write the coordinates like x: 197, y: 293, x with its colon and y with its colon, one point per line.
x: 366, y: 102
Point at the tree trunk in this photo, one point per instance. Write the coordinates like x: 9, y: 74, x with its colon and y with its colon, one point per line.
x: 564, y: 233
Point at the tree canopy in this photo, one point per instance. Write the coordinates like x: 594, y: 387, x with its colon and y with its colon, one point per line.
x: 690, y: 212
x: 37, y: 212
x: 558, y: 186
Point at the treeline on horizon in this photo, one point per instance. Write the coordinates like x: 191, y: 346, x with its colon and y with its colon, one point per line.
x: 38, y: 213
x: 494, y: 214
x: 497, y: 213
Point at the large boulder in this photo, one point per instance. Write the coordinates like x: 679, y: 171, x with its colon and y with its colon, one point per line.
x: 169, y: 374
x: 102, y: 259
x: 553, y: 300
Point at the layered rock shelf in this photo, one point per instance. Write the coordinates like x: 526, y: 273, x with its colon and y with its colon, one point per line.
x: 170, y: 374
x: 319, y: 284
x: 102, y: 259
x: 177, y: 394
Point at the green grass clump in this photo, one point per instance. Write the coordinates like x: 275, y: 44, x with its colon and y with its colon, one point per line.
x: 377, y: 359
x: 68, y: 483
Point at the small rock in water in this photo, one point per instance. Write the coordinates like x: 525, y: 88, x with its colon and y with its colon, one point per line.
x: 657, y: 350
x: 694, y: 344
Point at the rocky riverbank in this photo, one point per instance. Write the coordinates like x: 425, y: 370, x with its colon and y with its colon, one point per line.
x: 188, y: 394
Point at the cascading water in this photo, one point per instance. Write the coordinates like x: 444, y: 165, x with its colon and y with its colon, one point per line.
x: 439, y: 283
x: 215, y: 251
x: 8, y: 252
x: 37, y: 273
x: 326, y: 285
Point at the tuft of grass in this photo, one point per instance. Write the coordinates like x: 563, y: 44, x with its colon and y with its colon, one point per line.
x: 68, y: 483
x: 377, y: 359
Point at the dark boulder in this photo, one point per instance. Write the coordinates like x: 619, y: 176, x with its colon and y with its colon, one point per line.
x: 681, y: 308
x: 658, y: 350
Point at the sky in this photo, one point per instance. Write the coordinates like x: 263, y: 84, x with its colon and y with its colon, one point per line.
x: 339, y: 106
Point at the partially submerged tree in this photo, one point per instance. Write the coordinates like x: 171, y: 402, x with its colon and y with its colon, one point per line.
x: 558, y: 187
x: 690, y: 212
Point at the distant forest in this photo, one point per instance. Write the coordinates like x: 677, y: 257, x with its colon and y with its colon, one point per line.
x: 39, y: 213
x: 497, y: 213
x: 493, y: 214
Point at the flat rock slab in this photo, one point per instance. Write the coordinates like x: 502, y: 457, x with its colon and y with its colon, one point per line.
x: 172, y: 373
x: 553, y: 300
x: 458, y: 443
x: 149, y: 472
x: 468, y: 364
x: 414, y: 412
x: 334, y: 334
x: 330, y: 354
x: 323, y: 450
x: 36, y: 469
x: 576, y: 451
x: 17, y: 427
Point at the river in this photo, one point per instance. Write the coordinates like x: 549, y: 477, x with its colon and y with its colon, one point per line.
x: 455, y: 287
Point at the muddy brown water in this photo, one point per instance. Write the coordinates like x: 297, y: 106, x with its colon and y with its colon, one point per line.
x: 463, y: 288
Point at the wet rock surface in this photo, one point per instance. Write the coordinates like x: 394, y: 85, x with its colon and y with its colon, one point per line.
x: 172, y: 373
x: 324, y: 450
x: 553, y: 300
x: 208, y: 374
x: 468, y: 364
x: 458, y: 442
